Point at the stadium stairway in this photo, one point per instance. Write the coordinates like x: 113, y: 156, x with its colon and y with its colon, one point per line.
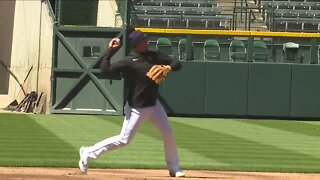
x: 257, y: 24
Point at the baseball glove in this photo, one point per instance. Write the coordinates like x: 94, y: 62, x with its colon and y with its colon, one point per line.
x: 158, y: 73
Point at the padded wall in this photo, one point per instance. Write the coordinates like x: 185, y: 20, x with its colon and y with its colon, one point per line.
x: 269, y: 90
x: 305, y: 91
x: 243, y: 89
x: 183, y: 91
x: 226, y: 88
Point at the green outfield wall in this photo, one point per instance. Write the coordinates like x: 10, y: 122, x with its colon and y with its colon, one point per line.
x: 201, y: 88
x: 243, y: 89
x: 273, y: 88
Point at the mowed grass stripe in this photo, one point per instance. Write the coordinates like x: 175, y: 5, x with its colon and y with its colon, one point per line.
x: 103, y: 129
x: 143, y: 143
x: 196, y: 141
x: 37, y: 162
x: 27, y: 141
x: 209, y: 148
x: 304, y: 162
x: 246, y: 155
x: 203, y: 144
x: 79, y: 130
x: 310, y: 128
x: 93, y: 129
x: 283, y: 139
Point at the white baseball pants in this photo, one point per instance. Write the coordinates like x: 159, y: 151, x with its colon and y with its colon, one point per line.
x: 133, y: 119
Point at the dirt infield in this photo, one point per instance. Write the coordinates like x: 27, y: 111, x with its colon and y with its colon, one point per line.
x: 121, y: 174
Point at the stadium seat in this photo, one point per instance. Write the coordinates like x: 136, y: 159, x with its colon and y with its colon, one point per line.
x: 182, y: 48
x: 260, y: 51
x: 293, y: 15
x: 197, y: 14
x: 291, y: 53
x: 164, y: 45
x: 237, y: 51
x: 211, y: 50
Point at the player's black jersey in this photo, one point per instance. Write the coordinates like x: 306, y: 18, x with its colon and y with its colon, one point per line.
x: 140, y: 90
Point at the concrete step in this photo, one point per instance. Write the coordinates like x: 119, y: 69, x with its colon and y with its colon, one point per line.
x: 224, y: 4
x: 258, y: 24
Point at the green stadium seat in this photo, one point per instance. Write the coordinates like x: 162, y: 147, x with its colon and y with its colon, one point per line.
x: 291, y: 53
x: 164, y: 45
x: 211, y: 50
x: 182, y: 48
x: 237, y: 51
x: 260, y: 51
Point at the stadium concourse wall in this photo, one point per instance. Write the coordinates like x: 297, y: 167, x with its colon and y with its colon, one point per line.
x: 31, y: 50
x: 242, y: 89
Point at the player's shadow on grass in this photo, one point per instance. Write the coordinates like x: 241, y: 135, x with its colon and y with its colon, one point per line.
x: 237, y: 153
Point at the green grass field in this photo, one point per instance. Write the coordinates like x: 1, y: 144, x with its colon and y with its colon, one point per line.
x: 211, y: 144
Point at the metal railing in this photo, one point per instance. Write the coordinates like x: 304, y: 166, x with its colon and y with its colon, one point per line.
x: 243, y: 17
x: 243, y: 6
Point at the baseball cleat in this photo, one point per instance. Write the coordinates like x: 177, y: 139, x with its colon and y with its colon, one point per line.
x: 82, y: 166
x: 177, y: 174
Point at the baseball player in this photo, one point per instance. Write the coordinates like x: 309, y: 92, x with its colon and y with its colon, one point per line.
x: 143, y: 71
